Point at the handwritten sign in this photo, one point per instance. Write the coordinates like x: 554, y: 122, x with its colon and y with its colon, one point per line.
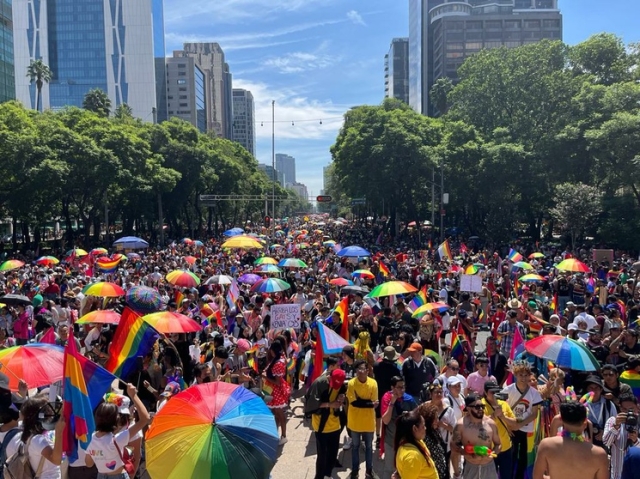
x: 284, y: 316
x: 471, y: 283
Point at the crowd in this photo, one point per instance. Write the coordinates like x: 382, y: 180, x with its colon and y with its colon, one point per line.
x: 414, y: 387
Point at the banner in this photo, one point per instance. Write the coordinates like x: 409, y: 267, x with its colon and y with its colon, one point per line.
x: 285, y: 316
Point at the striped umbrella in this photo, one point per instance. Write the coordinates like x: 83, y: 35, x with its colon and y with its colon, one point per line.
x: 270, y: 285
x: 292, y: 263
x: 182, y: 278
x: 564, y: 352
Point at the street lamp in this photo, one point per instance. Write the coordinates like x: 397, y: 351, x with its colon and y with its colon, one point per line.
x: 273, y: 166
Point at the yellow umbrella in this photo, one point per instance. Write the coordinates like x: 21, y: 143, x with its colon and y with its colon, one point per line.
x: 243, y: 242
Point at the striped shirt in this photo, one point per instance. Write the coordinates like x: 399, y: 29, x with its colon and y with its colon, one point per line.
x: 616, y: 440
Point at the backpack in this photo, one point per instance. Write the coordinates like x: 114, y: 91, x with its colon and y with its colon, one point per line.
x: 19, y: 467
x: 10, y: 434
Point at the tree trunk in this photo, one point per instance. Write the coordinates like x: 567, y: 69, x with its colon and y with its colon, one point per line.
x: 26, y: 237
x: 160, y: 221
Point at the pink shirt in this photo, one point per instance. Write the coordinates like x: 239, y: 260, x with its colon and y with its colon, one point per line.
x: 475, y: 382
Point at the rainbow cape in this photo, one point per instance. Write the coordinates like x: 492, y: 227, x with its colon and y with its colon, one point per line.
x: 632, y: 378
x: 133, y: 337
x: 444, y: 251
x: 85, y: 383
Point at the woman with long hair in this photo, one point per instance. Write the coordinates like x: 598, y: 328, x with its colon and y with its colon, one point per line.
x: 106, y: 448
x: 433, y: 439
x: 45, y: 456
x: 446, y: 416
x: 275, y: 377
x: 413, y: 460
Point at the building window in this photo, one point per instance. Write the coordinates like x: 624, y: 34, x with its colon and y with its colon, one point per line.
x: 473, y: 45
x: 532, y: 24
x: 182, y: 65
x: 512, y: 44
x: 170, y: 97
x: 183, y: 97
x: 455, y: 55
x: 493, y: 24
x: 512, y: 24
x: 182, y: 82
x: 182, y: 74
x: 551, y: 23
x: 492, y: 44
x: 182, y: 88
x: 474, y: 25
x: 455, y: 46
x: 184, y: 104
x: 474, y: 35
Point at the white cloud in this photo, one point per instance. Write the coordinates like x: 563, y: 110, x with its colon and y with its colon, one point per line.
x: 298, y: 62
x: 355, y: 17
x: 292, y: 107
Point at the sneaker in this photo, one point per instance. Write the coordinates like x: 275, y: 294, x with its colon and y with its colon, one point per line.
x: 348, y: 443
x: 283, y: 441
x: 371, y: 475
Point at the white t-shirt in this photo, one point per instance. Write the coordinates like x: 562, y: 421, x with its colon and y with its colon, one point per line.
x: 104, y: 453
x: 522, y: 405
x: 12, y: 446
x: 36, y: 446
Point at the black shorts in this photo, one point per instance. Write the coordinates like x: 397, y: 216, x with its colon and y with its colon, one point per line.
x: 444, y: 332
x: 378, y: 413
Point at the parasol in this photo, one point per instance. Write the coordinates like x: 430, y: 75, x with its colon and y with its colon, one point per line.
x: 102, y: 316
x: 167, y: 322
x: 37, y: 364
x: 103, y: 289
x: 182, y: 278
x: 391, y: 288
x: 143, y: 299
x: 564, y: 352
x: 270, y: 285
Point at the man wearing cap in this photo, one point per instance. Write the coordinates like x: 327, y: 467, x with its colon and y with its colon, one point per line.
x: 600, y: 409
x: 452, y: 369
x: 418, y: 370
x: 505, y: 420
x: 170, y: 390
x: 328, y: 393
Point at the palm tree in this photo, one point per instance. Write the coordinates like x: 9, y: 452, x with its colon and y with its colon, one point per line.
x: 39, y: 72
x: 97, y: 101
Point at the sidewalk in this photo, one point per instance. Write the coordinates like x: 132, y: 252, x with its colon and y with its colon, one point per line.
x: 298, y: 457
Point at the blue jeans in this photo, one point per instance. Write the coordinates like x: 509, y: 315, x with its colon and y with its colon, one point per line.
x: 504, y: 464
x: 367, y: 437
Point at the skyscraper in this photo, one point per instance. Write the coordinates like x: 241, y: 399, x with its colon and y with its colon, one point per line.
x: 210, y: 58
x: 396, y: 70
x: 7, y: 77
x: 244, y: 126
x: 87, y: 44
x: 443, y: 33
x: 271, y: 173
x: 286, y: 164
x: 186, y: 96
x: 159, y: 58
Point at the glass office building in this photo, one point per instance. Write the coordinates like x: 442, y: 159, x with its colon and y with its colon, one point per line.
x: 200, y: 99
x: 7, y: 78
x: 88, y: 44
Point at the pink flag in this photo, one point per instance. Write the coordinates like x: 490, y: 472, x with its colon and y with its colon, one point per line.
x: 517, y: 346
x: 49, y: 337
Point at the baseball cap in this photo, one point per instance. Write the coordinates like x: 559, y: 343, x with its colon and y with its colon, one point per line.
x: 123, y: 402
x: 572, y: 327
x: 390, y: 353
x: 491, y: 386
x: 336, y: 379
x: 570, y: 303
x: 415, y: 348
x: 593, y: 379
x: 453, y: 380
x: 462, y: 313
x: 172, y: 389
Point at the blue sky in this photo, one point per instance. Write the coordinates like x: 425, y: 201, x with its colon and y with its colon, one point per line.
x: 318, y: 58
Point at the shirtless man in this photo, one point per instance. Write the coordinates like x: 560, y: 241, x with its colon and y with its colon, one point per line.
x: 475, y: 429
x: 569, y: 455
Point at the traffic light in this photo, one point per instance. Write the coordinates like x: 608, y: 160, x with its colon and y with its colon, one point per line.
x: 267, y: 221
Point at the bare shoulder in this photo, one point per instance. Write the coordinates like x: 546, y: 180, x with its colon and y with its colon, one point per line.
x: 549, y: 443
x: 490, y: 422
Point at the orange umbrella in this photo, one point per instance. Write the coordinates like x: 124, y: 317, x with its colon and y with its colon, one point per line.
x: 166, y: 322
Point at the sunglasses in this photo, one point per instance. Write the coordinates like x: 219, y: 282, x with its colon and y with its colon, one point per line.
x: 476, y: 406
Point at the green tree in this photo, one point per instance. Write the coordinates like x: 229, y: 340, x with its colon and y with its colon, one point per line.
x: 39, y: 72
x: 123, y: 112
x: 439, y: 94
x: 604, y: 57
x: 97, y: 101
x: 576, y: 207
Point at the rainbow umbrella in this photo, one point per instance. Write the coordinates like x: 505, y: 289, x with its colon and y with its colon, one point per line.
x: 270, y: 285
x: 102, y: 316
x: 570, y: 264
x: 187, y: 241
x: 37, y: 364
x: 536, y: 255
x: 435, y: 356
x: 190, y: 259
x: 47, y: 260
x: 118, y: 257
x: 143, y: 299
x: 211, y: 430
x: 341, y: 282
x: 292, y: 263
x: 11, y: 264
x: 249, y: 278
x: 472, y: 269
x: 242, y: 242
x: 391, y: 288
x: 98, y: 251
x: 78, y: 251
x: 182, y: 278
x: 268, y: 268
x: 531, y: 277
x: 328, y: 243
x: 363, y: 273
x: 103, y: 289
x: 265, y: 260
x: 198, y: 244
x: 564, y: 352
x: 167, y: 322
x: 427, y: 308
x: 522, y: 265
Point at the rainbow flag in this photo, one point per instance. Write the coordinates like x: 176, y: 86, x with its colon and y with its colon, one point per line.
x: 233, y: 294
x: 106, y: 265
x: 632, y: 378
x: 444, y: 251
x: 553, y: 307
x: 384, y: 270
x: 481, y: 315
x: 178, y: 297
x: 133, y: 337
x: 418, y: 300
x: 85, y: 383
x: 623, y: 311
x: 514, y: 256
x: 457, y: 351
x: 267, y: 386
x: 343, y: 309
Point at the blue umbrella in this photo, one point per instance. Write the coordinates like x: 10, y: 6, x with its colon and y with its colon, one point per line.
x: 131, y: 242
x: 271, y: 285
x: 353, y: 252
x: 233, y: 232
x: 143, y: 299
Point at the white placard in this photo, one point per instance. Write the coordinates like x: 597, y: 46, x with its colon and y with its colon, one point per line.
x: 471, y: 283
x: 284, y: 316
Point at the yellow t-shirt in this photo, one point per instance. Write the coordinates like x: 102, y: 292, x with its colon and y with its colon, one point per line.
x: 361, y: 419
x: 505, y: 438
x: 333, y: 421
x: 412, y: 464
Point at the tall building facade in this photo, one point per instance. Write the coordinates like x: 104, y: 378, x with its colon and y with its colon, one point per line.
x: 159, y: 54
x: 286, y: 164
x: 244, y: 126
x: 300, y: 189
x: 443, y: 33
x: 396, y: 70
x: 186, y: 96
x: 106, y: 44
x: 210, y: 58
x: 271, y: 173
x: 7, y: 74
